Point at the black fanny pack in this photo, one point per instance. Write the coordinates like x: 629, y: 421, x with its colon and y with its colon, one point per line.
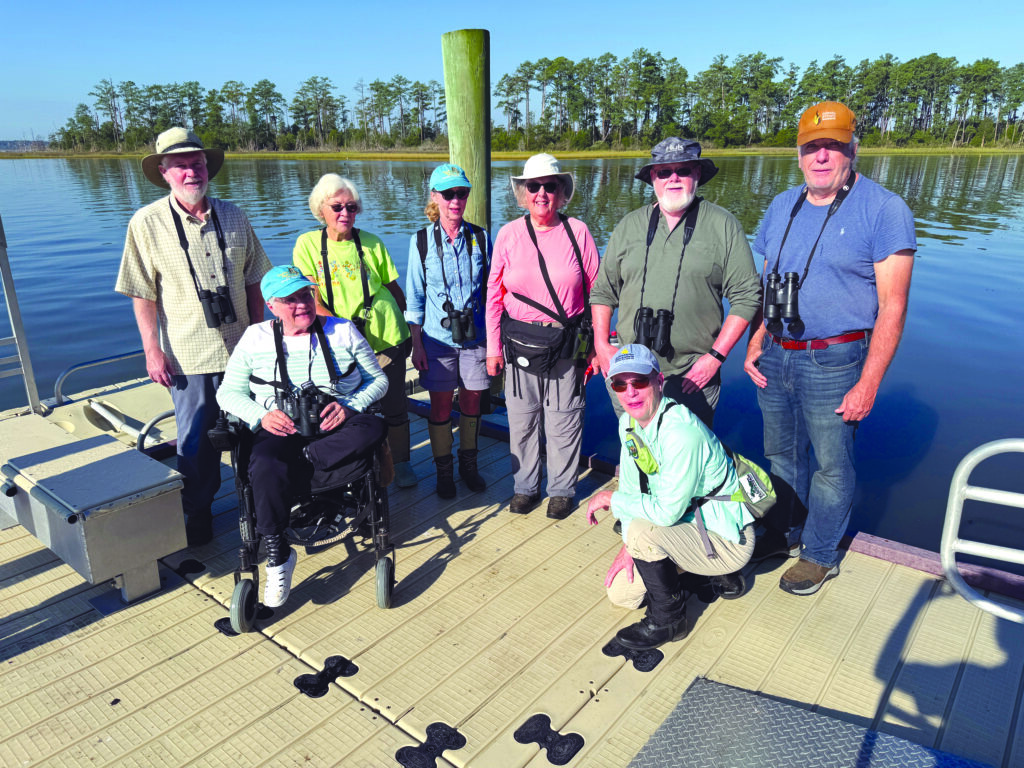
x: 536, y: 348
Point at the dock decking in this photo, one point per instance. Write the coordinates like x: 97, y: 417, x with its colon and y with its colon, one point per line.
x: 496, y: 617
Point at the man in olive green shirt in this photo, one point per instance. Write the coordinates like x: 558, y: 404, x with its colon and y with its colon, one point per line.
x: 646, y: 265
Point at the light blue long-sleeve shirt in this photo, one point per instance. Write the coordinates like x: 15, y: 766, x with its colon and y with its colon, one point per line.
x: 691, y: 464
x: 465, y: 275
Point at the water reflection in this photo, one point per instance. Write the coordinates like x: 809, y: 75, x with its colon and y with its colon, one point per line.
x: 955, y: 383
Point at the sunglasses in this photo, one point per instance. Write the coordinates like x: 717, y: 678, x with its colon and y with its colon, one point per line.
x: 549, y: 186
x: 350, y: 207
x: 618, y: 385
x: 682, y: 172
x: 451, y: 194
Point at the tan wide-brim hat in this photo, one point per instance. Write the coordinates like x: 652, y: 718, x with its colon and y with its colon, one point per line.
x: 542, y: 165
x: 175, y: 141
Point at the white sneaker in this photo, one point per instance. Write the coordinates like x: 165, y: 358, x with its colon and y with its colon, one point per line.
x: 279, y: 582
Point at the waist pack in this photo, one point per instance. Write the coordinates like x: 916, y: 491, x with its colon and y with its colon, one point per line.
x: 755, y: 488
x: 536, y: 348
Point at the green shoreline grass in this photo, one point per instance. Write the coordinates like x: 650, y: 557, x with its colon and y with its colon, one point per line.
x: 433, y: 155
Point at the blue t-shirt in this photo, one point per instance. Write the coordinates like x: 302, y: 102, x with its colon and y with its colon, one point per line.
x: 465, y: 275
x: 839, y: 294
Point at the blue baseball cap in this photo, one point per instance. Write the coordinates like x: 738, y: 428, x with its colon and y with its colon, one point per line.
x: 447, y: 176
x: 283, y: 281
x: 633, y: 358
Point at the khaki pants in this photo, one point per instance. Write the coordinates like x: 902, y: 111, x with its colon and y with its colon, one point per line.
x: 681, y: 544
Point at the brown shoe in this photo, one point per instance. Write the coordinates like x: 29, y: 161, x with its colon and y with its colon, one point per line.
x: 806, y: 578
x: 523, y: 503
x: 560, y: 507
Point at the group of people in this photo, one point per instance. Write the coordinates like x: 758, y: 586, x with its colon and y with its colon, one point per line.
x: 823, y: 320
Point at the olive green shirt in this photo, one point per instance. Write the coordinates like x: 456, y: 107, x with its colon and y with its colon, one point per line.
x: 718, y: 263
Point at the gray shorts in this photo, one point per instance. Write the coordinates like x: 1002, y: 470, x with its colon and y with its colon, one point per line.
x: 449, y: 367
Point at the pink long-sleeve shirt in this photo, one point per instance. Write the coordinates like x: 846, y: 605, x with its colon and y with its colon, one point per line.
x: 515, y: 267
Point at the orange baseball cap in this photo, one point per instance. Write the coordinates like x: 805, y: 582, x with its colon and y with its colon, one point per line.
x: 827, y: 120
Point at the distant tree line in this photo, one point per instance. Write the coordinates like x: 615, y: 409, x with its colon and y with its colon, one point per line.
x: 602, y: 103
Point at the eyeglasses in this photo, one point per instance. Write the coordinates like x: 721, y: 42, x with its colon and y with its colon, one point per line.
x: 682, y: 172
x: 449, y: 194
x: 299, y: 297
x: 618, y: 385
x: 350, y: 207
x: 549, y: 186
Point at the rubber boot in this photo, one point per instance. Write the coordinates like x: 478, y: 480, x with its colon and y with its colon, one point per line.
x: 281, y: 559
x: 441, y: 446
x: 666, y: 610
x: 398, y: 441
x: 469, y: 429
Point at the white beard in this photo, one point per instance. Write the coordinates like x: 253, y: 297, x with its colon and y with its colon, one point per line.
x: 189, y: 195
x: 676, y: 201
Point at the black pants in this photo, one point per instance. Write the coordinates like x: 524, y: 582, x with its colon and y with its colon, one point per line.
x: 278, y: 470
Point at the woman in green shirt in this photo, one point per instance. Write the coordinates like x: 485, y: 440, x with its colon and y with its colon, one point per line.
x: 357, y: 279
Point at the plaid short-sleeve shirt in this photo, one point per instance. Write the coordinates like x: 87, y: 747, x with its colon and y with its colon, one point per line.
x: 154, y: 267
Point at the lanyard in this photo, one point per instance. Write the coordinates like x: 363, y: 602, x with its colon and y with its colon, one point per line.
x: 652, y: 227
x: 836, y: 202
x: 562, y: 316
x: 367, y: 299
x: 183, y: 241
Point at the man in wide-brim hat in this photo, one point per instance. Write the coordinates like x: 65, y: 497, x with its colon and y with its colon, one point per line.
x: 666, y: 269
x: 192, y: 265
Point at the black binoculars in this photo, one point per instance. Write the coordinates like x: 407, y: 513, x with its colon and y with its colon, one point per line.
x: 460, y: 322
x: 654, y: 330
x: 780, y: 297
x: 217, y: 307
x: 304, y: 408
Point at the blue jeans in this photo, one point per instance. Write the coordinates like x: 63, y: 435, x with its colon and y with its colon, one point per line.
x: 804, y: 389
x: 196, y: 411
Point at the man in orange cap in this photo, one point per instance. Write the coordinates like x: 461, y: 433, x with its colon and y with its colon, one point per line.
x: 838, y: 254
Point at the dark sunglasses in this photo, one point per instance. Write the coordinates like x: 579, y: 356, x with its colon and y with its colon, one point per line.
x: 620, y: 386
x: 682, y: 172
x: 450, y: 194
x: 350, y: 207
x: 549, y: 186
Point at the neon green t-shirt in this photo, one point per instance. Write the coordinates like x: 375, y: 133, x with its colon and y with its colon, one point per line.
x: 386, y: 327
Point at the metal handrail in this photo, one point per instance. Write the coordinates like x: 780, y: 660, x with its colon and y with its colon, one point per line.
x: 148, y: 426
x: 58, y: 395
x: 959, y: 492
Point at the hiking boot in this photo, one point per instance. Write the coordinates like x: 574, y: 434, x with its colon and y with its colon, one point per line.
x: 560, y: 507
x: 806, y: 578
x: 445, y: 476
x: 666, y: 610
x: 646, y: 634
x: 405, y: 477
x: 279, y: 570
x: 199, y: 529
x: 773, y: 543
x: 523, y: 503
x: 468, y: 471
x: 728, y: 586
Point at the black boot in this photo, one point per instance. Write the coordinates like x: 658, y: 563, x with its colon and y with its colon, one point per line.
x: 728, y: 586
x: 445, y: 476
x: 468, y: 471
x: 666, y: 610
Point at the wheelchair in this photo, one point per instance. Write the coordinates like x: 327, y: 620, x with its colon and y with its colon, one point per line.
x: 321, y: 515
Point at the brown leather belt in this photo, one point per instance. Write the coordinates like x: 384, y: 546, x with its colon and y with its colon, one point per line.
x: 819, y: 343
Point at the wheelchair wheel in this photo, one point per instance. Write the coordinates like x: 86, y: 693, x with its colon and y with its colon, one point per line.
x: 243, y: 606
x: 385, y: 581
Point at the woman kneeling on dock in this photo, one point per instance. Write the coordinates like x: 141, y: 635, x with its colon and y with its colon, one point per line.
x: 341, y: 378
x: 669, y: 465
x: 444, y: 283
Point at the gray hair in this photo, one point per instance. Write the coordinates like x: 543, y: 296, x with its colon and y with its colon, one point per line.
x: 519, y: 190
x: 329, y: 185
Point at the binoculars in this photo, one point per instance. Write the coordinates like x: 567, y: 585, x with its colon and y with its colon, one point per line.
x: 217, y: 307
x: 780, y: 297
x: 460, y: 322
x: 304, y: 408
x: 654, y: 330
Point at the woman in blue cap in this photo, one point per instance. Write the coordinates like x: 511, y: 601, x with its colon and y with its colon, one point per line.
x: 447, y: 271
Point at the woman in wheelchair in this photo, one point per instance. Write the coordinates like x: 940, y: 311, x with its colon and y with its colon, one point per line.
x: 320, y: 422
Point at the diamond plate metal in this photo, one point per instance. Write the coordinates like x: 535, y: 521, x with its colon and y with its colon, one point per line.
x: 718, y: 726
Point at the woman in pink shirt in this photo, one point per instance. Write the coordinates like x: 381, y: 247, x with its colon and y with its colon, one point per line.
x: 543, y: 266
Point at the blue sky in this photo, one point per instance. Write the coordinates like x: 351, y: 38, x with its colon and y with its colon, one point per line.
x: 53, y: 53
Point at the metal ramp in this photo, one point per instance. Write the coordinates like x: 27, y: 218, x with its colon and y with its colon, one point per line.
x: 959, y: 492
x: 18, y: 364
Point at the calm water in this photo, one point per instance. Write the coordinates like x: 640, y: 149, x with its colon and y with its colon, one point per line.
x: 955, y: 383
